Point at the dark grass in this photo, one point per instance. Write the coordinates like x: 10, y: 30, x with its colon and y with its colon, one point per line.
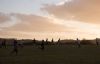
x: 64, y: 54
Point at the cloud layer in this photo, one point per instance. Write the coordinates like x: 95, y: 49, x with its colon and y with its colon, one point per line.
x: 71, y: 16
x: 82, y: 10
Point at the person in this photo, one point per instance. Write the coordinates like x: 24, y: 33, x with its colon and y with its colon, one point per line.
x: 42, y: 45
x: 52, y: 41
x: 47, y: 41
x: 97, y: 43
x: 78, y: 42
x: 4, y: 43
x: 15, y: 47
x: 34, y: 41
x: 58, y: 41
x: 0, y: 43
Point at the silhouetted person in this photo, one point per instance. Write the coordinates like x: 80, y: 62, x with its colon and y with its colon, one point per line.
x: 4, y: 43
x: 0, y: 43
x: 52, y: 41
x: 58, y: 41
x: 47, y: 41
x: 78, y: 42
x: 97, y: 42
x: 15, y: 47
x: 42, y: 45
x: 34, y: 41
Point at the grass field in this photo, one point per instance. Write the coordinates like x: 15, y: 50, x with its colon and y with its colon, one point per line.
x: 65, y: 54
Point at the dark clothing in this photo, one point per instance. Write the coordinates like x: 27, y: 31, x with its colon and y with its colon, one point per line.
x: 15, y: 47
x: 78, y: 43
x: 97, y: 42
x: 4, y: 43
x: 42, y: 45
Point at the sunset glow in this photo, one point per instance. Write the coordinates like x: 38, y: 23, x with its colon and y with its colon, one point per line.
x: 41, y: 19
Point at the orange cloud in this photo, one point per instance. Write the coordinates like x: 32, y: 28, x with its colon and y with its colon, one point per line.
x: 82, y: 10
x: 29, y: 23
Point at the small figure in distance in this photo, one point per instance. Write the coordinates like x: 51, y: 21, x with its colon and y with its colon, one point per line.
x: 97, y: 42
x: 15, y: 47
x: 58, y: 43
x: 4, y: 43
x: 78, y: 43
x: 34, y: 40
x: 46, y: 39
x: 42, y: 45
x: 52, y: 41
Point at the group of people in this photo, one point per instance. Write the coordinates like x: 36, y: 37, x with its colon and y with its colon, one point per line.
x: 15, y: 46
x: 42, y: 45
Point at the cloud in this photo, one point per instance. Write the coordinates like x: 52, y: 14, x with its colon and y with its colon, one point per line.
x: 31, y: 26
x: 79, y: 16
x: 7, y: 20
x: 63, y: 2
x: 76, y: 15
x: 82, y: 10
x: 75, y: 25
x: 28, y: 27
x: 30, y: 23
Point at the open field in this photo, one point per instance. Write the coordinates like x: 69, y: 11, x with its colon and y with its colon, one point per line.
x: 64, y: 54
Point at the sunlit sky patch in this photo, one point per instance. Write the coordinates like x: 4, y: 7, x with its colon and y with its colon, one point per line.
x: 29, y: 17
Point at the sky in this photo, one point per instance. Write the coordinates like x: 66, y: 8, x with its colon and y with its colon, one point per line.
x: 41, y: 19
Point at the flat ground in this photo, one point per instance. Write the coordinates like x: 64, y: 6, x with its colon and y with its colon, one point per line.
x: 65, y: 54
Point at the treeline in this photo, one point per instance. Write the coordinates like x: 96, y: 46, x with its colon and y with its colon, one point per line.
x: 52, y: 42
